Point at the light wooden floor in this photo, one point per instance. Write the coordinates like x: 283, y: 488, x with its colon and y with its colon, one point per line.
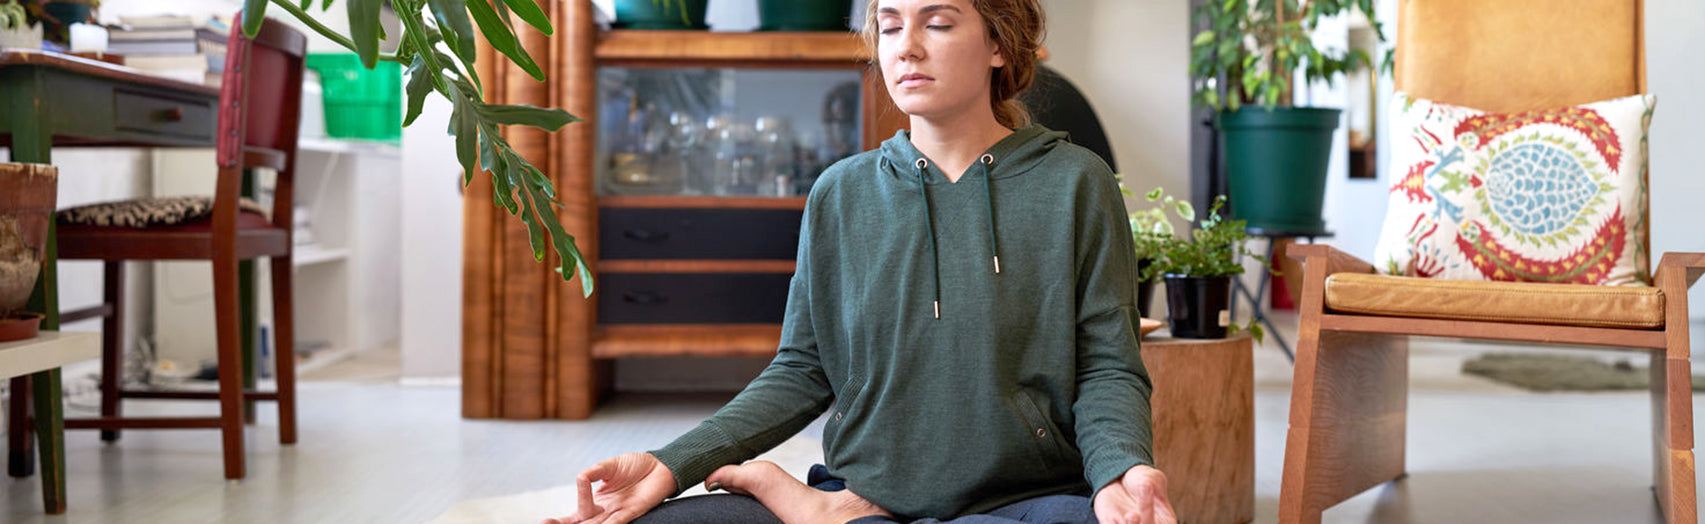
x: 373, y: 451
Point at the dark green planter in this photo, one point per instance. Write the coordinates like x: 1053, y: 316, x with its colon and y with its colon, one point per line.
x: 65, y: 13
x: 652, y: 14
x: 803, y: 15
x: 1275, y: 165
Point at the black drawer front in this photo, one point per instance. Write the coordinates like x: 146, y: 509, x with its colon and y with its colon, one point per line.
x: 714, y: 234
x: 692, y: 298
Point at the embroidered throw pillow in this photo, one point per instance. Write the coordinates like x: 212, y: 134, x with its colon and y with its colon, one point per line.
x: 1555, y: 195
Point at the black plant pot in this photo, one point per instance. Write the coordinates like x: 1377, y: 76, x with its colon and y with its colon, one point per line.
x: 652, y: 14
x: 1145, y: 288
x: 1194, y: 304
x: 797, y: 15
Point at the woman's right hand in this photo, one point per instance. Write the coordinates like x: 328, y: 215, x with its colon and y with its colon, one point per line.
x: 630, y: 485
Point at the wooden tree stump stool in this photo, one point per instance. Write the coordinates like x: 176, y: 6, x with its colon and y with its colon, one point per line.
x: 1204, y: 425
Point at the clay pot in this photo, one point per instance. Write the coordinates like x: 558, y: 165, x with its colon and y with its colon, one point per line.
x: 27, y: 193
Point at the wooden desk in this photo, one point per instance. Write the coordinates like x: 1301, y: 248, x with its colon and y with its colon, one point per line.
x: 1203, y: 411
x: 52, y: 100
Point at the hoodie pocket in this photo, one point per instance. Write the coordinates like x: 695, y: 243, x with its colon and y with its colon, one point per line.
x: 844, y: 401
x: 1051, y: 445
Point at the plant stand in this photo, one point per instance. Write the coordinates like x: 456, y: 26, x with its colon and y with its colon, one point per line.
x: 1203, y: 415
x: 1259, y: 294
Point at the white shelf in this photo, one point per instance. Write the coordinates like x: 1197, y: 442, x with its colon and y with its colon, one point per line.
x: 348, y: 146
x: 48, y: 350
x: 310, y: 255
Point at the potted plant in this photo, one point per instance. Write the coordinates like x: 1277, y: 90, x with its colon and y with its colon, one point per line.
x: 17, y: 29
x: 1276, y: 155
x: 1150, y: 231
x: 662, y: 14
x: 1198, y: 273
x: 437, y: 47
x: 27, y: 196
x: 56, y: 16
x: 807, y: 15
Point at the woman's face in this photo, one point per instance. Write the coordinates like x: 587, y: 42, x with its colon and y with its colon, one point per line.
x: 936, y: 56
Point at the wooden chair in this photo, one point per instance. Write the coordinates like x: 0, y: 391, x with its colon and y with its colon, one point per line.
x: 1349, y: 394
x: 259, y: 103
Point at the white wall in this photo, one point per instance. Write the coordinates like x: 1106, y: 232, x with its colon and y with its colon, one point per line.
x: 431, y: 248
x: 1131, y: 60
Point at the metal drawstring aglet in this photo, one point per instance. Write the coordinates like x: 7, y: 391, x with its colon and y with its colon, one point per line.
x: 938, y: 309
x: 997, y: 265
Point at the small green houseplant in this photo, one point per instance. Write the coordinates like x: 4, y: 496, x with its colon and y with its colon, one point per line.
x: 437, y: 47
x: 1276, y: 155
x: 1150, y: 231
x: 17, y: 28
x: 1198, y: 273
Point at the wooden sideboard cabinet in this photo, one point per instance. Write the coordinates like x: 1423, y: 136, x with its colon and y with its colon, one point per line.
x: 697, y: 264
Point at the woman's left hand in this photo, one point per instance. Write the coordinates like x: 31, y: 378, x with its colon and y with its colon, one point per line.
x: 1137, y: 497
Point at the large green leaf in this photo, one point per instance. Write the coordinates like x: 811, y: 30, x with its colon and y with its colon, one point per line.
x: 254, y: 12
x: 419, y: 87
x: 364, y: 29
x: 452, y: 16
x: 465, y: 126
x: 530, y: 13
x: 549, y: 119
x: 497, y: 34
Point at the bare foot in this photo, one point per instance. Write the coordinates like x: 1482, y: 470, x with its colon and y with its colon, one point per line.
x: 787, y: 497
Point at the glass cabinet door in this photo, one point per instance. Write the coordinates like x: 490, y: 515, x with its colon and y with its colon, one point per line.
x: 723, y: 131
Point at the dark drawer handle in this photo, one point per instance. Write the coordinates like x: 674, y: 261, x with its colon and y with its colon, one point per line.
x: 175, y: 114
x: 643, y: 298
x: 646, y: 236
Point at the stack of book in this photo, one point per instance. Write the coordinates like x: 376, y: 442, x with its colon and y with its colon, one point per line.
x: 172, y: 46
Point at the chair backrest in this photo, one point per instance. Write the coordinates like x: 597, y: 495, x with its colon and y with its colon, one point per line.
x: 261, y: 90
x: 1508, y: 56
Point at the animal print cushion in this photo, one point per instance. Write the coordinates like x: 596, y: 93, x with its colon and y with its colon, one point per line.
x: 149, y: 212
x: 1552, y: 195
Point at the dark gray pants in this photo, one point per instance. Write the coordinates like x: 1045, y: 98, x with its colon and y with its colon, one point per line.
x: 740, y: 509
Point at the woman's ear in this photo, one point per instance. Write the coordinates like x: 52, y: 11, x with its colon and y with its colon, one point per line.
x: 996, y: 58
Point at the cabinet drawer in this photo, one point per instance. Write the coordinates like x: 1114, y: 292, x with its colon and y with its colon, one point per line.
x: 153, y: 114
x: 692, y: 298
x: 712, y: 234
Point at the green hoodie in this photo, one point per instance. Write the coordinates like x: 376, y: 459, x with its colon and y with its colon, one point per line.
x: 1025, y: 382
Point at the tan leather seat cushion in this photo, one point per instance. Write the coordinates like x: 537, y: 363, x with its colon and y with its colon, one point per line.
x: 1562, y: 304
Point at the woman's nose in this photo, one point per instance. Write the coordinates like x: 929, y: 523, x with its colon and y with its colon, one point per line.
x: 909, y: 47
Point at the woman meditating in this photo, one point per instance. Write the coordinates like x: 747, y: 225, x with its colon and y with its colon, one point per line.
x: 963, y: 308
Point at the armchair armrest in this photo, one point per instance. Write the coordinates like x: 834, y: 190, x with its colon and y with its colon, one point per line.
x: 1334, y: 260
x: 1690, y: 264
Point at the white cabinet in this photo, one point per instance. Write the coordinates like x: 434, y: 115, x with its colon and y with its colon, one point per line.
x: 347, y: 294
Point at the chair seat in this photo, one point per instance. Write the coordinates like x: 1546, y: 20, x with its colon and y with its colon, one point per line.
x: 1531, y: 303
x: 256, y: 237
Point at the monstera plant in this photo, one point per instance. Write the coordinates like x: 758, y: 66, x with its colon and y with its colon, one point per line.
x: 437, y: 46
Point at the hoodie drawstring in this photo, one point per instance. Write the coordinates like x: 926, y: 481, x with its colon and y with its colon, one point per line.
x: 982, y: 163
x: 989, y: 196
x: 929, y: 230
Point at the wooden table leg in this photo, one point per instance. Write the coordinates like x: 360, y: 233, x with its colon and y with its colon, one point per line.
x: 32, y: 142
x: 50, y: 431
x: 19, y: 462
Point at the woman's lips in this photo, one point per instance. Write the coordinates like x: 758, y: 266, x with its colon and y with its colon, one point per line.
x: 914, y: 80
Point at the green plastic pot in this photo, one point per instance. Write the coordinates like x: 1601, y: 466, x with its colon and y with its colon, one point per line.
x: 1275, y: 163
x: 661, y: 14
x: 803, y: 15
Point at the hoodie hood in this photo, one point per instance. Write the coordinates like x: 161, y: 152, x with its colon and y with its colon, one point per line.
x: 1011, y: 156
